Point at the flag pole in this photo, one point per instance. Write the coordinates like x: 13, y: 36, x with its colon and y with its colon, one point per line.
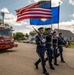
x: 51, y: 24
x: 59, y: 18
x: 51, y: 20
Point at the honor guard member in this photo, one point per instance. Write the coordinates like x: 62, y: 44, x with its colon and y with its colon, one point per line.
x: 61, y: 42
x: 40, y: 41
x: 55, y: 48
x: 48, y: 47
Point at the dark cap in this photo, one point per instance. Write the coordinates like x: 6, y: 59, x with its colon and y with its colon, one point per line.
x: 48, y: 29
x: 60, y: 33
x: 54, y: 32
x: 40, y: 28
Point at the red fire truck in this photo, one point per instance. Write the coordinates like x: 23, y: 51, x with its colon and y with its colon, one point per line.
x: 6, y: 38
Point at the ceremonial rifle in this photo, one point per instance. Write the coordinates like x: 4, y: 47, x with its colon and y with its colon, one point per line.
x: 38, y: 33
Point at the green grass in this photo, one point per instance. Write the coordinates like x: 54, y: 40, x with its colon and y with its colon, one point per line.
x: 72, y: 45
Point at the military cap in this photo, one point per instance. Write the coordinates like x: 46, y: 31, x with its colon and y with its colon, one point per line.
x: 48, y: 29
x: 60, y: 33
x: 40, y: 28
x: 54, y: 32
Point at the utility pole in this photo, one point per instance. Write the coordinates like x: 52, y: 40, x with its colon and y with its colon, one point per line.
x: 2, y: 14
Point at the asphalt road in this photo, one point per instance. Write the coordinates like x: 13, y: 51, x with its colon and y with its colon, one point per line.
x: 20, y: 61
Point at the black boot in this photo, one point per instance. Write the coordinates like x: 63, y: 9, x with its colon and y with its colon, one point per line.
x: 58, y: 55
x: 52, y: 68
x: 56, y: 64
x: 45, y: 72
x: 62, y: 61
x: 36, y: 66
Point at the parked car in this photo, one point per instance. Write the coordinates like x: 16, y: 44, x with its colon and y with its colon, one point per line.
x: 33, y: 42
x: 26, y: 41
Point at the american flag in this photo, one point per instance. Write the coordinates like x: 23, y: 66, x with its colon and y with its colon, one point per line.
x: 40, y: 9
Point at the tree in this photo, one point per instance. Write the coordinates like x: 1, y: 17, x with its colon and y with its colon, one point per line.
x: 7, y: 25
x: 32, y: 33
x: 14, y: 35
x: 0, y: 23
x: 18, y: 36
x: 26, y: 35
x: 11, y: 27
x: 44, y: 31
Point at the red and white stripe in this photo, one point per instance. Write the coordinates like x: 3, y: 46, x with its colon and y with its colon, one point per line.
x: 33, y: 16
x: 32, y: 11
x: 26, y: 8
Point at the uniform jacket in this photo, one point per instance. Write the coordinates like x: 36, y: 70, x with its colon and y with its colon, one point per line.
x: 40, y: 45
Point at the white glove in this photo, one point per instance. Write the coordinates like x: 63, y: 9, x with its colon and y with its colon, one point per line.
x: 43, y: 40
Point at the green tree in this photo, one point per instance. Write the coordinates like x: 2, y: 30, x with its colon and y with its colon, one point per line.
x: 32, y: 33
x: 7, y: 25
x: 14, y: 35
x: 26, y: 35
x: 44, y: 31
x: 11, y: 27
x: 0, y: 23
x: 18, y: 36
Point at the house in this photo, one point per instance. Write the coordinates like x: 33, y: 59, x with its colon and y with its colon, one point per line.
x: 32, y: 37
x: 66, y: 34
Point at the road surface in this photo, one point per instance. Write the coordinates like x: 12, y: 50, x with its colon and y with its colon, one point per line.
x: 20, y: 61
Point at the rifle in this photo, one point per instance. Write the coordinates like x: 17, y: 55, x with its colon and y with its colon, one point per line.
x: 38, y: 33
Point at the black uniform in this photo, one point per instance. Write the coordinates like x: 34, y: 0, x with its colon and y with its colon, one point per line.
x: 40, y: 49
x: 49, y: 49
x: 61, y: 42
x: 55, y: 48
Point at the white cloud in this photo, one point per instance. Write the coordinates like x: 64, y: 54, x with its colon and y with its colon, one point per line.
x: 56, y: 2
x: 72, y: 15
x: 69, y: 25
x: 11, y: 19
x: 22, y: 30
x: 9, y: 16
x: 71, y: 2
x: 68, y: 22
x: 5, y: 10
x: 36, y: 0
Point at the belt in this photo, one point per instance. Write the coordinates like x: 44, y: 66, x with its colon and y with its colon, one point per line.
x: 49, y: 42
x: 60, y: 45
x: 41, y: 45
x: 54, y: 43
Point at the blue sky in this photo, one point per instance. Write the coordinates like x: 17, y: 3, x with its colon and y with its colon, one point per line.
x: 9, y: 7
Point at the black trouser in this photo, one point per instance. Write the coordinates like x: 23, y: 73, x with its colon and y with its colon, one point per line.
x: 42, y: 60
x: 61, y: 52
x: 49, y: 56
x: 55, y: 54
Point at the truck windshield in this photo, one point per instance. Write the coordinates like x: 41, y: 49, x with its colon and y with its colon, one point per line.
x: 6, y: 32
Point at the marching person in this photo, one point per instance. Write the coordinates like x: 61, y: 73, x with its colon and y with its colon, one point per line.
x: 61, y: 42
x: 40, y: 41
x: 48, y: 47
x: 55, y: 48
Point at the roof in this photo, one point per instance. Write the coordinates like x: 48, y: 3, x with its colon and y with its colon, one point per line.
x: 66, y: 33
x: 5, y: 28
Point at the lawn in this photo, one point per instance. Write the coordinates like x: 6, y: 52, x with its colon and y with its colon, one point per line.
x: 71, y: 45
